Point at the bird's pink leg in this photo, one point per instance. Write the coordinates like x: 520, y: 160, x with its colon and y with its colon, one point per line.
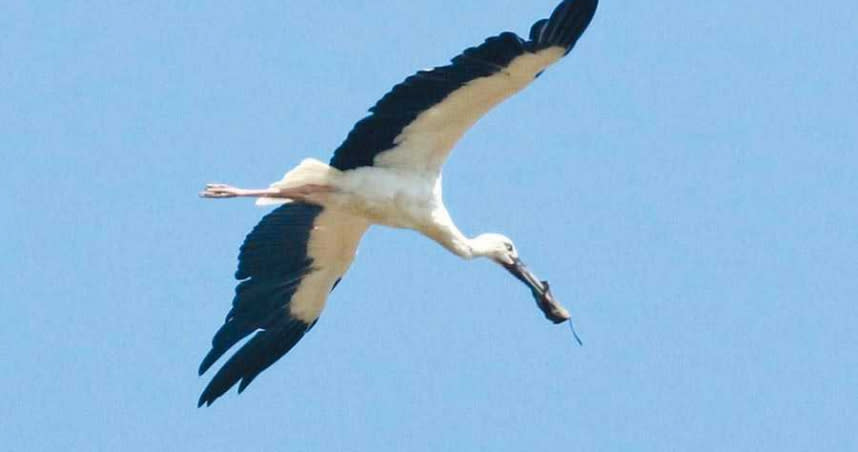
x: 218, y: 191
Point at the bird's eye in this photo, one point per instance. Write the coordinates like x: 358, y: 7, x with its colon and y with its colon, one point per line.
x: 508, y: 247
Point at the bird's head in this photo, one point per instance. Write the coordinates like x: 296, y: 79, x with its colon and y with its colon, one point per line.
x: 496, y: 247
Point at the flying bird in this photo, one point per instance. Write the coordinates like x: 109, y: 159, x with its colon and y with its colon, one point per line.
x: 386, y: 172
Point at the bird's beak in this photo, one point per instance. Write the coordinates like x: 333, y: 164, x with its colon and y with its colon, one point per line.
x: 541, y: 292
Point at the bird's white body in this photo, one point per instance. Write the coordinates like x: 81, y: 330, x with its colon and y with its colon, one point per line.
x: 399, y: 198
x: 396, y: 197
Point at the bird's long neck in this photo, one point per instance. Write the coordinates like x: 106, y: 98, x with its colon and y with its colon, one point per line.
x: 445, y: 232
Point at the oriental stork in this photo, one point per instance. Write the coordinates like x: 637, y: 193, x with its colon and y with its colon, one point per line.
x: 386, y: 172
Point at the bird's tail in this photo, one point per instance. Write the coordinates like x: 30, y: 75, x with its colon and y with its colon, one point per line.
x: 308, y: 172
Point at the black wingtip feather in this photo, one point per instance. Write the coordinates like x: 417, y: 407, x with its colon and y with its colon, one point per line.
x: 566, y: 24
x: 536, y: 28
x: 258, y: 304
x: 260, y: 352
x: 210, y: 359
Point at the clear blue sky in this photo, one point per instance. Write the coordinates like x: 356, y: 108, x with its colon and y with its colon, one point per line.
x: 687, y: 180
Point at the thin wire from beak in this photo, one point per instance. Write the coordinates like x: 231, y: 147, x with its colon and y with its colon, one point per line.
x: 574, y: 334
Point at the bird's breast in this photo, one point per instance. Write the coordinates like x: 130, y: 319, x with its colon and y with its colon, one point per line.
x: 391, y: 197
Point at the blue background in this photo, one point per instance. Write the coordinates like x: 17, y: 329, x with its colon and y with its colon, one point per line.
x: 686, y: 179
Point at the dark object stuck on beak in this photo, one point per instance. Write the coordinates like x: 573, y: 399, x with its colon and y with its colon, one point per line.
x: 541, y: 294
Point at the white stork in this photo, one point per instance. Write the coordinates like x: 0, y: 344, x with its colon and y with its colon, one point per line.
x: 387, y: 172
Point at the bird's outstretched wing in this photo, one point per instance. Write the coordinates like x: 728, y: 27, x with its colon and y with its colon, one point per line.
x: 415, y: 125
x: 287, y: 266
